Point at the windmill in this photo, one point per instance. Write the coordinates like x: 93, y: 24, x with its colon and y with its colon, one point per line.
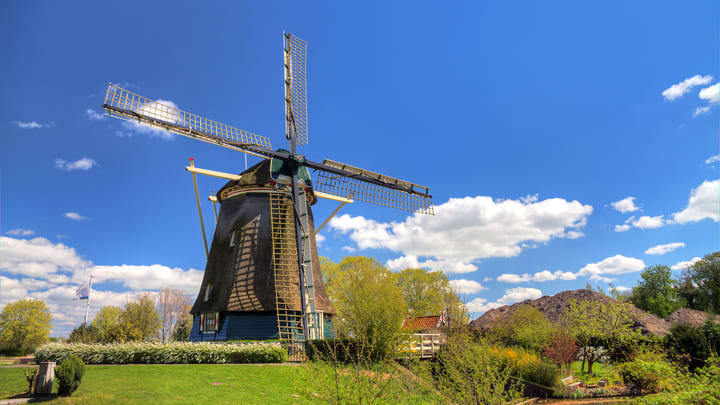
x: 264, y: 247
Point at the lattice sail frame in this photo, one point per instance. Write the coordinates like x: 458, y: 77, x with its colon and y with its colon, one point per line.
x: 130, y: 106
x: 298, y: 86
x: 361, y: 190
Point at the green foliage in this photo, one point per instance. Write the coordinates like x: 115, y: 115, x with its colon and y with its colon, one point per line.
x: 696, y: 344
x: 526, y: 327
x: 368, y: 303
x: 426, y: 292
x: 30, y: 378
x: 468, y: 373
x: 596, y: 323
x: 167, y: 353
x: 562, y: 349
x: 705, y: 275
x: 24, y: 325
x: 106, y: 320
x: 85, y: 334
x: 651, y: 374
x: 182, y: 331
x: 342, y: 350
x: 69, y: 375
x: 656, y: 292
x: 141, y: 314
x: 539, y: 376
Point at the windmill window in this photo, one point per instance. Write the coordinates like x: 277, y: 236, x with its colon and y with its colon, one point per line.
x: 209, y: 322
x: 232, y: 238
x: 208, y: 289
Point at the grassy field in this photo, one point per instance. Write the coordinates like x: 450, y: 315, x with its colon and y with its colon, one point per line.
x: 173, y: 384
x: 600, y: 372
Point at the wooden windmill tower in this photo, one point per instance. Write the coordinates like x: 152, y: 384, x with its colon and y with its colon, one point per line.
x: 263, y: 258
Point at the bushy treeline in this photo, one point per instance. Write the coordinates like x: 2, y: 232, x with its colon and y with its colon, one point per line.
x: 164, y: 353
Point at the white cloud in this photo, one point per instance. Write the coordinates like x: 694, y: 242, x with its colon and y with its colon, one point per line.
x: 80, y: 164
x: 622, y: 289
x: 684, y: 265
x: 666, y: 248
x: 602, y: 278
x: 154, y: 110
x: 349, y: 249
x: 711, y: 94
x: 511, y: 296
x: 93, y: 115
x: 704, y: 203
x: 679, y: 89
x: 446, y: 266
x: 74, y: 216
x: 21, y: 232
x: 50, y: 271
x: 462, y: 286
x: 32, y: 124
x: 467, y: 229
x: 647, y: 222
x: 712, y: 159
x: 627, y: 204
x: 539, y: 277
x: 701, y: 111
x: 622, y: 228
x: 319, y: 239
x: 617, y: 264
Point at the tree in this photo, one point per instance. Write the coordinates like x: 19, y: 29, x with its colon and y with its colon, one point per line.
x: 125, y: 331
x: 705, y: 274
x: 172, y: 305
x: 595, y: 323
x: 141, y: 315
x: 527, y: 327
x: 106, y: 320
x: 184, y: 326
x: 426, y: 292
x: 562, y: 350
x: 24, y: 325
x: 656, y: 292
x: 370, y: 306
x: 85, y: 334
x: 688, y: 292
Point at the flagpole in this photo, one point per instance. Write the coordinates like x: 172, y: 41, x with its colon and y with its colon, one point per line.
x: 87, y: 309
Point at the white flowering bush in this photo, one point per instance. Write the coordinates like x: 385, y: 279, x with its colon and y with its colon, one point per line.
x: 164, y: 353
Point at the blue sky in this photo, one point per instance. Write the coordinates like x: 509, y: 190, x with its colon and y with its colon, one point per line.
x: 526, y: 120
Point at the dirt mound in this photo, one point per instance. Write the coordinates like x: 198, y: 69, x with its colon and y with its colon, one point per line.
x: 554, y: 308
x: 689, y: 316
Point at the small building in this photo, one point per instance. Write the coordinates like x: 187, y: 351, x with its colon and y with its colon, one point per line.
x: 427, y: 334
x: 425, y: 324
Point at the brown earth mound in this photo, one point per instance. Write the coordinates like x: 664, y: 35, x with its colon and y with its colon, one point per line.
x: 689, y: 316
x: 555, y: 306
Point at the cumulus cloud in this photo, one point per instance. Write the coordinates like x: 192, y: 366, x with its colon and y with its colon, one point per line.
x: 540, y: 276
x: 467, y: 229
x: 712, y: 159
x: 627, y: 204
x: 701, y: 111
x: 617, y: 264
x: 49, y: 271
x: 21, y: 232
x: 666, y: 248
x: 462, y: 286
x: 319, y: 239
x: 684, y: 265
x: 677, y: 90
x: 80, y: 164
x: 704, y: 203
x: 511, y: 296
x: 32, y: 124
x: 622, y: 228
x: 711, y: 94
x: 446, y: 266
x: 93, y: 115
x: 622, y: 289
x: 74, y: 216
x: 647, y: 222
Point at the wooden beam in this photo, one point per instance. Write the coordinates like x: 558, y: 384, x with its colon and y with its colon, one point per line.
x: 213, y: 173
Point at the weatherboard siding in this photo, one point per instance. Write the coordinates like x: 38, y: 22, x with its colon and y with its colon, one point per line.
x: 239, y: 326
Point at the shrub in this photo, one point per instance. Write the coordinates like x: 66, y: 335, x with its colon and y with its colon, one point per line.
x: 85, y: 334
x: 167, y: 353
x: 689, y: 341
x: 540, y: 376
x: 647, y: 374
x: 563, y: 349
x: 69, y: 374
x: 526, y: 327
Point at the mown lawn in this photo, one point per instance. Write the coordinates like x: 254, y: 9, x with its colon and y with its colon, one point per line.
x: 173, y: 384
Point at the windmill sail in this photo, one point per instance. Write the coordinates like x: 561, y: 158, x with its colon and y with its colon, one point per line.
x: 296, y: 57
x: 124, y: 104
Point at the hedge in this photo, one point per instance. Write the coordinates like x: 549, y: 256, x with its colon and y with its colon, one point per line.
x: 164, y: 353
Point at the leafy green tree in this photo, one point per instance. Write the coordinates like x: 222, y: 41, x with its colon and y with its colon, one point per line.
x: 705, y: 274
x: 370, y: 306
x: 142, y: 315
x: 107, y: 319
x: 656, y: 292
x: 595, y: 323
x: 125, y: 331
x: 24, y: 325
x: 426, y: 292
x: 526, y: 327
x: 85, y: 334
x: 182, y: 331
x: 688, y: 292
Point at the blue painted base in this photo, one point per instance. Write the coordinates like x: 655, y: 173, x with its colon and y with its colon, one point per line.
x: 247, y: 326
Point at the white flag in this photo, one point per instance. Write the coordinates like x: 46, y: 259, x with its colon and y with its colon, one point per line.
x: 84, y: 290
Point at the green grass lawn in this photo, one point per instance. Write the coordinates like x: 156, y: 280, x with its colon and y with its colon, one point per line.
x: 600, y: 372
x: 174, y: 384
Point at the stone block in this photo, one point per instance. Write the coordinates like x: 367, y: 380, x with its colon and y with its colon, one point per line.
x: 44, y: 379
